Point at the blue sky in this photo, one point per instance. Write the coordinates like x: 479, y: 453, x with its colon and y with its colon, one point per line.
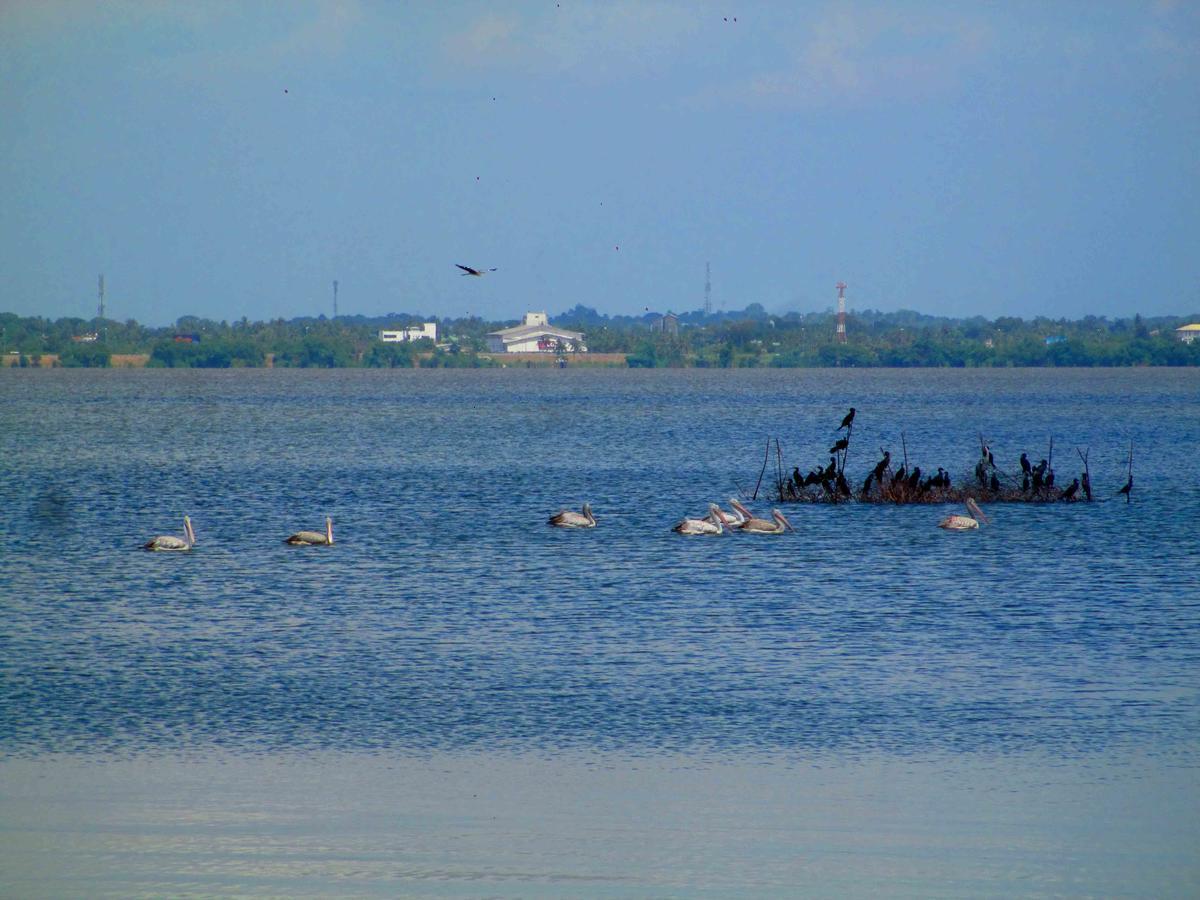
x: 232, y: 159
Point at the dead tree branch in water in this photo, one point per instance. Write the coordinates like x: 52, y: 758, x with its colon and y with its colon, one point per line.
x: 762, y: 471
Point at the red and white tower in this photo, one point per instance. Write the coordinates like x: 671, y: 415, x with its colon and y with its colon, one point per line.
x: 841, y: 325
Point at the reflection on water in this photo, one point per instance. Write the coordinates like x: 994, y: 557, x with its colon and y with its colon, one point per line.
x: 595, y: 825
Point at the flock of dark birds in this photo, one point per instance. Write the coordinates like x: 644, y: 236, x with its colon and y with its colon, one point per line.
x: 883, y: 484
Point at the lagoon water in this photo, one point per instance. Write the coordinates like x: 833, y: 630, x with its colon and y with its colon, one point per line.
x: 457, y: 700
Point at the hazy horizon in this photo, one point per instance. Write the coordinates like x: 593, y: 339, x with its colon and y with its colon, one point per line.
x: 234, y: 160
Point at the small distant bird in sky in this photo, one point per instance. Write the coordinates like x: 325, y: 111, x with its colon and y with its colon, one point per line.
x: 478, y: 273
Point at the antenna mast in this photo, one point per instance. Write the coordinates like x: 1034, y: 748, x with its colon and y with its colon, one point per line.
x: 100, y: 311
x: 707, y: 291
x: 841, y: 322
x: 335, y: 299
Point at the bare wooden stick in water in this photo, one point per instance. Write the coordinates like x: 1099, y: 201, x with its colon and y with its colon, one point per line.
x: 762, y: 471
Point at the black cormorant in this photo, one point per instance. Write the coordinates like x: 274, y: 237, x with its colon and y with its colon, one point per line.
x: 1128, y: 489
x: 881, y: 466
x: 846, y: 421
x: 1069, y: 493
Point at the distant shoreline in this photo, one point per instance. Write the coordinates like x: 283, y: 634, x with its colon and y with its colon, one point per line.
x: 502, y: 360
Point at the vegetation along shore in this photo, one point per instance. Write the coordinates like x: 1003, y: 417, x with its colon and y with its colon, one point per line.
x: 731, y: 339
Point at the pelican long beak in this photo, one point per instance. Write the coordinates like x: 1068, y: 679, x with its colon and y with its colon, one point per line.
x: 782, y: 518
x: 978, y: 513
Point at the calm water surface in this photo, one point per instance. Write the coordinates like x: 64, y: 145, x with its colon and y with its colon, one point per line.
x: 449, y: 620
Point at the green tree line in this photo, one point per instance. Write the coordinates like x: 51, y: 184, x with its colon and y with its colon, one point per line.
x: 750, y: 337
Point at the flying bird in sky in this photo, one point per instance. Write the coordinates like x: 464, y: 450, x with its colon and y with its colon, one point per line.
x: 478, y: 273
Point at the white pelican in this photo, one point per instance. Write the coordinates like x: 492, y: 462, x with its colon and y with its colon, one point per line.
x: 731, y: 519
x: 777, y: 524
x: 713, y: 523
x: 570, y: 519
x: 478, y: 273
x: 313, y: 538
x: 965, y: 523
x: 170, y: 542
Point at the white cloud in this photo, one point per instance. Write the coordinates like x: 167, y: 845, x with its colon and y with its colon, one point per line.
x: 851, y: 55
x: 300, y: 35
x: 588, y: 41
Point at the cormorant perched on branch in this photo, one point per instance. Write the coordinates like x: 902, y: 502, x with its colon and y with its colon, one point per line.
x: 994, y: 485
x: 797, y: 478
x: 1049, y: 479
x: 881, y: 466
x: 1069, y: 493
x: 842, y: 486
x: 866, y: 488
x: 846, y: 421
x: 1039, y: 474
x: 899, y: 476
x: 981, y: 472
x: 1025, y: 484
x: 1128, y: 489
x: 915, y: 478
x: 1025, y: 467
x: 840, y: 445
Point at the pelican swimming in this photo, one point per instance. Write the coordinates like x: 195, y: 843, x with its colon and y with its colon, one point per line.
x: 170, y: 542
x: 568, y: 518
x: 777, y: 524
x: 965, y: 523
x: 729, y: 519
x: 713, y: 523
x: 313, y: 538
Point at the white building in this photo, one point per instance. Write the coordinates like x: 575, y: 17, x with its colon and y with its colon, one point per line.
x: 411, y: 333
x: 1188, y: 333
x: 535, y: 334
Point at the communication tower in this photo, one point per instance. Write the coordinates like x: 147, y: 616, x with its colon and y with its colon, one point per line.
x: 841, y: 323
x: 707, y: 291
x: 100, y: 310
x: 335, y: 299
